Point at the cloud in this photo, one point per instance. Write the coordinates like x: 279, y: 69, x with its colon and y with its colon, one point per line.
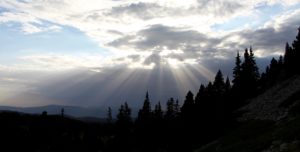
x: 219, y: 7
x: 157, y: 29
x: 114, y: 23
x: 175, y: 39
x: 29, y: 23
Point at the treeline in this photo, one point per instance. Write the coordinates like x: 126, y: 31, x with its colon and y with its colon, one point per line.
x: 207, y: 115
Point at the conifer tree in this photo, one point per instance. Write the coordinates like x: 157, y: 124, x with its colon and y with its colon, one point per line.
x: 288, y: 59
x: 145, y: 113
x: 249, y: 75
x: 219, y: 84
x: 170, y: 113
x: 177, y: 108
x: 124, y: 115
x: 296, y: 44
x: 237, y: 72
x: 199, y: 99
x: 296, y: 50
x: 254, y: 67
x: 187, y: 109
x: 158, y: 113
x: 227, y: 85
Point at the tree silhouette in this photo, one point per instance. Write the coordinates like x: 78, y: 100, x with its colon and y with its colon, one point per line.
x: 124, y: 115
x: 254, y: 67
x: 145, y: 113
x: 170, y: 113
x: 187, y: 109
x: 288, y: 59
x: 158, y: 113
x: 296, y: 50
x: 219, y: 84
x: 237, y: 70
x: 249, y: 75
x: 177, y: 108
x: 227, y: 85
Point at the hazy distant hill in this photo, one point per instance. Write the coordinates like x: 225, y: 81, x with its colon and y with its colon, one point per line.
x: 56, y: 109
x: 89, y: 113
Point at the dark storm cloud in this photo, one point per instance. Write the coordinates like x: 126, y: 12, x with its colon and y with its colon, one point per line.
x: 157, y: 37
x: 270, y: 39
x: 170, y: 37
x: 196, y: 45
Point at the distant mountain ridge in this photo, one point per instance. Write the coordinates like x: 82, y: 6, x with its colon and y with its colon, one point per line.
x: 73, y: 111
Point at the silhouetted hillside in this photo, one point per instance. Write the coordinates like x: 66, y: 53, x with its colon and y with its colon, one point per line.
x: 25, y: 132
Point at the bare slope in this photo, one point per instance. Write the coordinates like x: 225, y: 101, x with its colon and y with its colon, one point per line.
x: 275, y: 102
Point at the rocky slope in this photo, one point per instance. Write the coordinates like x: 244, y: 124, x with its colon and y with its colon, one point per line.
x: 275, y: 103
x: 269, y: 123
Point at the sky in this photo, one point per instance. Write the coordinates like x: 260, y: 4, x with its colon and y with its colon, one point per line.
x: 105, y: 52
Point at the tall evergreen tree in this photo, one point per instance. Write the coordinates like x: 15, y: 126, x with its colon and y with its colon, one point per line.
x: 170, y: 113
x: 145, y: 113
x: 237, y: 72
x: 227, y: 85
x: 218, y: 99
x: 254, y: 67
x: 296, y: 43
x: 249, y: 75
x: 187, y: 109
x: 177, y: 108
x: 288, y: 59
x: 200, y: 99
x: 296, y: 50
x: 124, y: 115
x: 219, y: 84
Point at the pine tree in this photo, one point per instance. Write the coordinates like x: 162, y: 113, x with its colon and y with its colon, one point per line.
x: 177, y: 108
x: 296, y: 44
x: 237, y: 72
x: 254, y: 67
x: 219, y: 84
x: 227, y: 85
x: 200, y: 96
x: 249, y: 75
x: 288, y: 59
x: 296, y: 50
x: 127, y: 111
x: 145, y: 113
x: 124, y: 115
x: 170, y: 113
x: 187, y: 109
x: 158, y: 113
